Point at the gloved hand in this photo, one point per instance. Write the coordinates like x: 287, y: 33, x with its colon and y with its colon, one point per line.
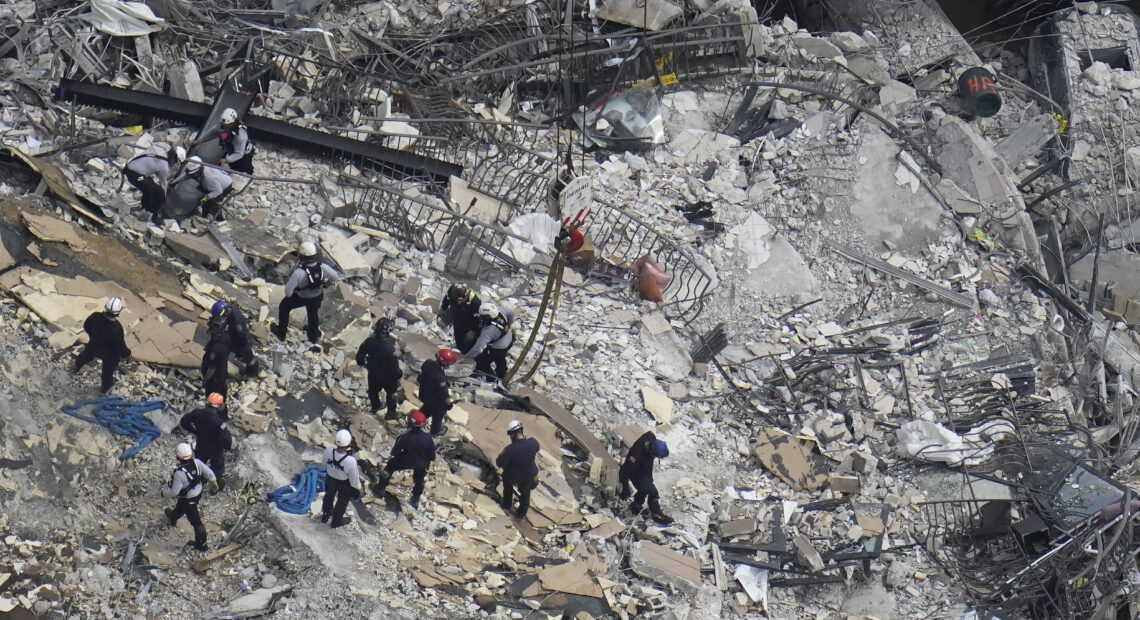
x: 213, y: 487
x: 357, y: 493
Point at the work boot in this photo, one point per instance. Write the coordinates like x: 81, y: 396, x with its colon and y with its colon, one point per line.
x: 170, y: 520
x: 520, y: 514
x: 345, y: 520
x: 636, y: 509
x: 221, y: 486
x: 199, y: 542
x: 660, y: 518
x: 379, y: 486
x: 392, y: 415
x: 277, y: 331
x: 324, y: 517
x: 415, y: 502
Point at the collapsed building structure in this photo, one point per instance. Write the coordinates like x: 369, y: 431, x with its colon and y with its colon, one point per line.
x: 895, y: 381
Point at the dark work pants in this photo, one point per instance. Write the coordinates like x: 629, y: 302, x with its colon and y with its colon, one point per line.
x: 645, y: 489
x: 215, y: 458
x: 109, y: 366
x: 337, y: 495
x: 153, y: 196
x: 216, y: 383
x: 245, y: 164
x: 377, y: 382
x: 418, y: 476
x: 523, y: 488
x: 311, y: 305
x: 212, y: 208
x: 188, y: 507
x: 492, y: 357
x: 436, y: 413
x: 244, y: 353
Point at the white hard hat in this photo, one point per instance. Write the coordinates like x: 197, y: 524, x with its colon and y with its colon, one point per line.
x: 229, y: 115
x: 308, y: 249
x: 343, y: 438
x: 194, y: 164
x: 114, y: 306
x: 184, y: 452
x: 489, y: 309
x: 513, y: 425
x: 179, y: 153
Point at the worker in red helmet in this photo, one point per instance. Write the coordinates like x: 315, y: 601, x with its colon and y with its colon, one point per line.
x: 414, y: 450
x: 211, y: 436
x: 435, y: 389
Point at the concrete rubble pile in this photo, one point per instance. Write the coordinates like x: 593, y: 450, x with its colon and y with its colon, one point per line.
x: 890, y: 354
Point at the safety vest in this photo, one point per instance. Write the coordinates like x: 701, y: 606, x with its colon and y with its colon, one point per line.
x: 193, y: 477
x: 227, y: 138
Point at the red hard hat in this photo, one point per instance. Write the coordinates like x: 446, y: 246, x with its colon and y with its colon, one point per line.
x: 215, y: 399
x: 447, y: 356
x: 417, y: 418
x: 577, y: 239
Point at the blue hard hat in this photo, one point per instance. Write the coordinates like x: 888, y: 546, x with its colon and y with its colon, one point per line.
x: 660, y: 450
x: 219, y: 309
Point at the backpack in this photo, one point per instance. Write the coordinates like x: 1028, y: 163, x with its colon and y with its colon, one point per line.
x: 316, y: 275
x: 193, y: 477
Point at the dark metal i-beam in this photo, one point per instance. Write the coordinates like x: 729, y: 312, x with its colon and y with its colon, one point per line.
x: 387, y: 161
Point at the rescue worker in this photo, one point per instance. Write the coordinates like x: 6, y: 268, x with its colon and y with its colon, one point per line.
x: 638, y: 469
x: 216, y: 360
x: 378, y: 355
x: 235, y: 324
x: 413, y: 450
x: 211, y: 437
x: 105, y: 341
x: 305, y: 288
x: 519, y: 471
x: 342, y: 480
x: 215, y: 183
x: 435, y: 390
x: 186, y: 483
x: 150, y: 173
x: 461, y: 307
x: 234, y: 138
x: 495, y: 339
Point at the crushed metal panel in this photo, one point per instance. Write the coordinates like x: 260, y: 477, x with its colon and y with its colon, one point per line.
x: 791, y: 459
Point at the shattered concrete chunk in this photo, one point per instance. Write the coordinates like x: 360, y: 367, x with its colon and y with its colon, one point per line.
x: 665, y: 566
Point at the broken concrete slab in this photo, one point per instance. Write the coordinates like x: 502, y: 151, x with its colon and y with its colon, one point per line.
x: 670, y: 355
x: 198, y: 250
x: 885, y: 211
x: 807, y: 553
x: 573, y: 578
x: 342, y: 250
x: 651, y: 14
x: 1027, y: 140
x: 665, y: 566
x: 47, y: 228
x: 573, y: 427
x: 657, y: 404
x: 791, y: 459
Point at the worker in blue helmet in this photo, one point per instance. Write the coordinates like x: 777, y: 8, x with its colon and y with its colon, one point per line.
x: 638, y: 469
x: 232, y: 320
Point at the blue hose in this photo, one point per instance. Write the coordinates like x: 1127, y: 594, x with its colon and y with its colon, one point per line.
x: 122, y: 418
x: 297, y: 497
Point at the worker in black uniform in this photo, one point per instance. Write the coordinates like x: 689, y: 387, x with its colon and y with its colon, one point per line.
x: 377, y: 354
x: 105, y: 341
x: 342, y: 480
x: 216, y: 360
x: 414, y: 450
x: 461, y: 307
x: 305, y: 288
x: 234, y: 322
x: 638, y: 469
x: 435, y: 389
x: 519, y: 471
x: 187, y: 482
x: 211, y: 437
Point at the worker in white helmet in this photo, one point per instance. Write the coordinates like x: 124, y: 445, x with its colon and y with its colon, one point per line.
x: 342, y: 480
x: 235, y: 140
x: 305, y: 288
x: 150, y: 172
x: 105, y: 341
x: 215, y: 183
x: 187, y: 482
